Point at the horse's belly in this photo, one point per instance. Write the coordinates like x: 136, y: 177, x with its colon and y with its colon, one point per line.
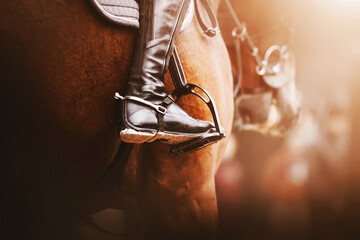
x: 61, y: 66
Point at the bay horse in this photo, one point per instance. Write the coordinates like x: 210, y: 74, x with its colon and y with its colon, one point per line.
x: 243, y: 212
x: 260, y: 39
x: 61, y: 64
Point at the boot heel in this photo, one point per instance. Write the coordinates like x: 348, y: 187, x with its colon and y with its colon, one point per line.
x: 132, y: 136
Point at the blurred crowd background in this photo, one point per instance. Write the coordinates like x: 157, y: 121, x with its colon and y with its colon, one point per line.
x: 306, y: 184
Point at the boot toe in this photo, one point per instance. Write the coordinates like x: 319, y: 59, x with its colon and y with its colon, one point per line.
x: 178, y: 120
x: 175, y: 120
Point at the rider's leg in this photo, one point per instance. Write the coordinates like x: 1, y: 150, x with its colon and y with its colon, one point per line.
x: 146, y: 108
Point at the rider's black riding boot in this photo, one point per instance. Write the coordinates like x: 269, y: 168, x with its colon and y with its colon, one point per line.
x: 148, y: 113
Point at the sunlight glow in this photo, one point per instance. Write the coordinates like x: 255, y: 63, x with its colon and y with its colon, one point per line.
x: 299, y: 173
x: 345, y: 5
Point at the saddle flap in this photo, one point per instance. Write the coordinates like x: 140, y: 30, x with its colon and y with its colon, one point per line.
x: 122, y: 12
x: 126, y: 12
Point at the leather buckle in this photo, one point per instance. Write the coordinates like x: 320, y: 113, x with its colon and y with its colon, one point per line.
x: 211, y: 32
x: 162, y: 110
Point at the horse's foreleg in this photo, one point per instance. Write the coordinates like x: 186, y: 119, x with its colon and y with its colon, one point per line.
x: 177, y: 194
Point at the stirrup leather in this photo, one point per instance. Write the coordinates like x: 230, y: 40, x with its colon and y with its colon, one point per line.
x: 183, y: 88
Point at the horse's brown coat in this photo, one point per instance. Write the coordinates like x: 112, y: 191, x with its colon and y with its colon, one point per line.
x: 60, y: 66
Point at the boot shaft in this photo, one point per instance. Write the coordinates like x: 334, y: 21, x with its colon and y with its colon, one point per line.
x: 160, y: 23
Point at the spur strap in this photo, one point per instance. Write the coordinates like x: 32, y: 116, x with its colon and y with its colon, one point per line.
x: 161, y: 110
x: 158, y: 108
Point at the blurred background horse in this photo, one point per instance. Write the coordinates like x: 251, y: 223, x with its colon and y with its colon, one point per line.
x: 305, y: 184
